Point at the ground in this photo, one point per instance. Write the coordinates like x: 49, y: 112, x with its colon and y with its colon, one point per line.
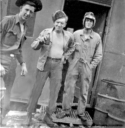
x: 16, y: 119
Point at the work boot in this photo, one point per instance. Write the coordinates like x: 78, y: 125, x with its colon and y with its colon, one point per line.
x: 2, y: 122
x: 48, y: 120
x: 86, y: 121
x: 39, y: 116
x: 28, y: 120
x: 63, y: 114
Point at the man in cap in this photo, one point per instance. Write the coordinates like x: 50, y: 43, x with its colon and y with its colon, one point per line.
x: 56, y: 46
x: 13, y: 34
x: 87, y: 55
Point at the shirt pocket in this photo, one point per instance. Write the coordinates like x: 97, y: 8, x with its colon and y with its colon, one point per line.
x: 11, y: 37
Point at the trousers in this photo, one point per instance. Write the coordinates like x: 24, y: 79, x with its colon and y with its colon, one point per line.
x: 10, y: 64
x: 53, y: 70
x: 82, y: 71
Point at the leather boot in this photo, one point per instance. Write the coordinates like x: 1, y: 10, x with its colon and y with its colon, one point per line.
x: 48, y: 120
x: 63, y: 114
x: 86, y: 121
x: 2, y: 122
x: 28, y: 120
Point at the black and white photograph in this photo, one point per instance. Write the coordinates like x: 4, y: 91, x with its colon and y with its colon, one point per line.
x: 62, y: 63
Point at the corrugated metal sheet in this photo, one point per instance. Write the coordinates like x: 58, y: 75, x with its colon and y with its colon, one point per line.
x: 112, y: 97
x: 113, y: 64
x: 111, y: 109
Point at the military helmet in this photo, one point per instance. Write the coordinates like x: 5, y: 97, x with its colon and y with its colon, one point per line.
x: 89, y: 15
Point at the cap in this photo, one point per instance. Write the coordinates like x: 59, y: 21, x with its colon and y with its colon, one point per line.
x: 36, y: 3
x: 58, y: 15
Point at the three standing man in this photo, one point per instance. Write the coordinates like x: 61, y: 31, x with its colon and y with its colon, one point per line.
x: 56, y: 46
x: 13, y: 35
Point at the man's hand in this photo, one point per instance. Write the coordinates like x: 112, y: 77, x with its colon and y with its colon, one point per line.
x: 63, y: 60
x: 2, y: 71
x: 23, y: 69
x: 46, y: 39
x: 78, y: 46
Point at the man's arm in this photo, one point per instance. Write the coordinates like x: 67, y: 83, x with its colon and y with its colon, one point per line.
x: 36, y: 45
x: 70, y: 48
x: 3, y: 29
x: 98, y: 55
x: 19, y: 57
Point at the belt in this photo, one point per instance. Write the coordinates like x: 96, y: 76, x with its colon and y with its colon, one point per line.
x: 54, y: 59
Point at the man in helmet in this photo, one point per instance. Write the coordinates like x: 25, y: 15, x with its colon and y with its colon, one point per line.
x: 13, y: 34
x: 87, y: 55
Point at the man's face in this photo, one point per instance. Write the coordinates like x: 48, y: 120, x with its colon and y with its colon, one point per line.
x: 89, y: 23
x: 60, y: 24
x: 26, y: 12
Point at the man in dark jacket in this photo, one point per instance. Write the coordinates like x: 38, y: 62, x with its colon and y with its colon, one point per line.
x: 56, y: 46
x: 13, y: 34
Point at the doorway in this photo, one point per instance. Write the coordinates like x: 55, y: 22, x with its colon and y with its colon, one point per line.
x: 75, y: 10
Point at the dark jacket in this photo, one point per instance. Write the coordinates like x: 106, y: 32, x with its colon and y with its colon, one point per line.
x: 40, y: 44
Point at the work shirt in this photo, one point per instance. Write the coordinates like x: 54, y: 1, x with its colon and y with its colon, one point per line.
x: 90, y: 47
x: 68, y: 48
x: 12, y: 38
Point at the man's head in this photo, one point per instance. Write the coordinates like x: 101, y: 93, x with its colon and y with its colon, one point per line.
x: 28, y: 7
x: 89, y: 20
x: 60, y: 19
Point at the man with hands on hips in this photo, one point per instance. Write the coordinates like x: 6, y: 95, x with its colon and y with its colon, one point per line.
x: 87, y: 55
x: 13, y: 35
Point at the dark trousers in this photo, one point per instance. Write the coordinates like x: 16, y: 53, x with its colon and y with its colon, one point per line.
x: 53, y: 70
x: 10, y: 64
x: 82, y: 71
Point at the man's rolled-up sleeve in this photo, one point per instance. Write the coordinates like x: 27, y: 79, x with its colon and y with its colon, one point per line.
x: 70, y: 48
x: 19, y: 56
x: 4, y: 24
x: 36, y: 45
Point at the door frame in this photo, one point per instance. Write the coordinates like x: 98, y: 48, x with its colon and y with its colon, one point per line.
x: 106, y: 30
x: 95, y: 84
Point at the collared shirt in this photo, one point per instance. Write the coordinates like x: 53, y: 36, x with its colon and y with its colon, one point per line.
x: 39, y: 43
x: 90, y: 47
x: 12, y: 38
